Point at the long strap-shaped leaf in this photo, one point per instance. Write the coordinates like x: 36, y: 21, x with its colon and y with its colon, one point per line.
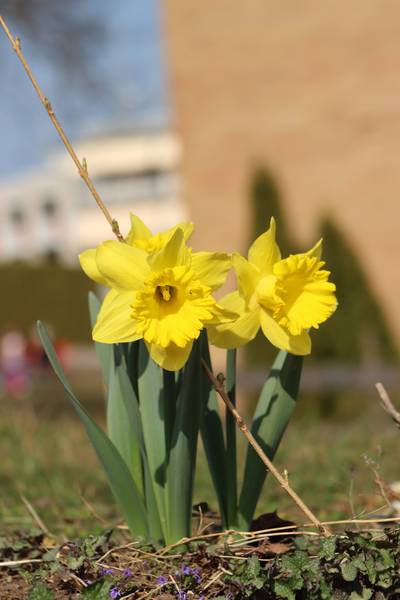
x: 213, y: 437
x: 120, y: 425
x: 273, y: 412
x: 123, y: 421
x: 182, y: 458
x: 133, y: 413
x: 105, y: 352
x: 119, y: 478
x: 151, y: 395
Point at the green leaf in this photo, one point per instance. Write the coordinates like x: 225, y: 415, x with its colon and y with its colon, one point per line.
x: 132, y: 409
x: 100, y: 590
x: 155, y: 529
x: 213, y: 436
x: 283, y: 590
x: 349, y: 571
x: 273, y: 412
x: 297, y: 562
x: 119, y: 478
x: 328, y: 548
x: 182, y: 458
x: 152, y: 411
x: 40, y: 592
x: 123, y: 425
x: 385, y: 580
x: 366, y: 594
x: 105, y: 352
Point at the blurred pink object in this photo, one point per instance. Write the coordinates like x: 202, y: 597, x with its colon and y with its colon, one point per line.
x: 13, y: 364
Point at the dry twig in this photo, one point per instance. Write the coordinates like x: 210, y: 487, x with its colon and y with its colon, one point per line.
x: 388, y: 404
x: 80, y: 165
x: 219, y: 388
x: 24, y: 561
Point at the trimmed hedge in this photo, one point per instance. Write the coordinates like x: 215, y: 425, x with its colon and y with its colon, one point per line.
x: 55, y: 294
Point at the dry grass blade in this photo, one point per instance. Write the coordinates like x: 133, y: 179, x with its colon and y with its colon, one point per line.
x: 23, y: 561
x: 35, y: 516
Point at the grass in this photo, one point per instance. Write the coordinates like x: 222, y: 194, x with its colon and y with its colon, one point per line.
x: 47, y: 459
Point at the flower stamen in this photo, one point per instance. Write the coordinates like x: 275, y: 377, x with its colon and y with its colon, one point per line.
x: 165, y: 293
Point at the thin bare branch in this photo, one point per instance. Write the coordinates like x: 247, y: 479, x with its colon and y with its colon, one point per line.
x: 387, y: 404
x: 219, y: 388
x: 80, y: 165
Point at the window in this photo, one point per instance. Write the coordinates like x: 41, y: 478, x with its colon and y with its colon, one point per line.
x: 49, y: 207
x: 17, y: 217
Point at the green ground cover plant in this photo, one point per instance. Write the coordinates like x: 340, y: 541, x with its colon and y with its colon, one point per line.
x: 355, y: 565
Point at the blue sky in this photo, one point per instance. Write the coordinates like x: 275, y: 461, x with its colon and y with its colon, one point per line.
x: 130, y: 72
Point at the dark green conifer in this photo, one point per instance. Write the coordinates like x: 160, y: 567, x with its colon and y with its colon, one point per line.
x: 358, y: 331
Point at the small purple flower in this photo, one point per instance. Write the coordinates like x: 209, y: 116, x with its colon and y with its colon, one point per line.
x: 196, y: 575
x: 114, y: 593
x: 202, y: 598
x: 161, y: 580
x: 182, y: 595
x: 106, y: 571
x: 127, y: 573
x: 186, y: 570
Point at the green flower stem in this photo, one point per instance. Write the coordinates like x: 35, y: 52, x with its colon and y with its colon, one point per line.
x: 231, y: 452
x: 169, y: 387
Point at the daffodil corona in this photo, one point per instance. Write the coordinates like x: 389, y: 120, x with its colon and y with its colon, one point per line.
x: 160, y: 291
x: 285, y: 297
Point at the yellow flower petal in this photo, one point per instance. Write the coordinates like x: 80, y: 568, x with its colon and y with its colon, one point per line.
x: 211, y: 267
x: 87, y: 261
x: 315, y: 251
x: 173, y: 254
x: 222, y: 315
x: 170, y: 358
x: 238, y: 332
x: 123, y: 267
x: 282, y: 339
x: 187, y: 228
x: 247, y: 275
x: 264, y: 252
x: 138, y: 230
x: 308, y: 298
x: 140, y: 235
x: 114, y: 321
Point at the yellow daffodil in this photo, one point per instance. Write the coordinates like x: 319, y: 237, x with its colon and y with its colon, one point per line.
x: 285, y: 297
x: 139, y: 236
x: 160, y: 291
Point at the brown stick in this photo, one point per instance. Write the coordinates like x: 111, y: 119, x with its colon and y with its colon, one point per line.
x: 219, y: 388
x: 387, y: 404
x: 80, y: 165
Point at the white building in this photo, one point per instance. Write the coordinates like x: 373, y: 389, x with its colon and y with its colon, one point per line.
x: 49, y: 212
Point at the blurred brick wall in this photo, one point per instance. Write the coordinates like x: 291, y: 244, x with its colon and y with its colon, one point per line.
x: 309, y: 88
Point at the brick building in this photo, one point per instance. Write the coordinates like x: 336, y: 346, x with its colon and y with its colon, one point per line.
x: 310, y: 89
